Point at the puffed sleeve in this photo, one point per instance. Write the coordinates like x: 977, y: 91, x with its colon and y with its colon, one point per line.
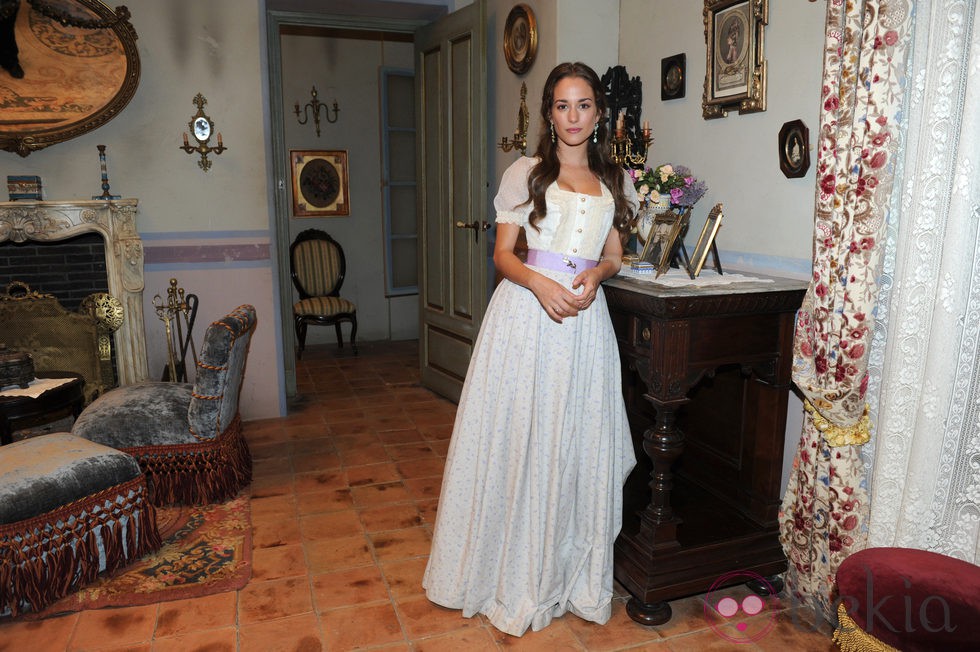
x: 630, y: 191
x: 509, y: 202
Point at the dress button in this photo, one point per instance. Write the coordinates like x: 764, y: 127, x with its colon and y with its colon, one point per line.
x: 582, y: 198
x: 578, y: 230
x: 582, y: 212
x: 574, y: 251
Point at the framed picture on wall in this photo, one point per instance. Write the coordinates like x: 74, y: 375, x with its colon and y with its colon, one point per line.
x: 320, y: 183
x: 735, y: 77
x: 794, y: 149
x: 673, y: 77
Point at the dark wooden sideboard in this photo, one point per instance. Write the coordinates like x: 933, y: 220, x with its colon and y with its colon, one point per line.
x: 706, y: 376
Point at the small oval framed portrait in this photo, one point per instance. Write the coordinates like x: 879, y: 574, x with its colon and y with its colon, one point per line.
x: 520, y: 39
x: 794, y: 149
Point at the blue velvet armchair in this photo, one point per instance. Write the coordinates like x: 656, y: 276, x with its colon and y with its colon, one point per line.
x: 187, y: 438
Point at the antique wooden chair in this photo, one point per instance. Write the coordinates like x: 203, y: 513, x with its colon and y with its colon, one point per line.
x: 187, y: 438
x: 318, y: 266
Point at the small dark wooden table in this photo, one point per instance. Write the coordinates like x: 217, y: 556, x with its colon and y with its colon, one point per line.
x: 706, y: 376
x: 53, y: 404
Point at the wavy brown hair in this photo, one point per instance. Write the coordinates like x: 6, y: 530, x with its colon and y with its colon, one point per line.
x: 546, y: 171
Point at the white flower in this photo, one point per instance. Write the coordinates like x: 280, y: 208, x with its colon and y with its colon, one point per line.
x: 643, y: 190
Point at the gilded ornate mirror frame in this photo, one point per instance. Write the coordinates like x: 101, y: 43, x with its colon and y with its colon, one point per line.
x: 80, y: 69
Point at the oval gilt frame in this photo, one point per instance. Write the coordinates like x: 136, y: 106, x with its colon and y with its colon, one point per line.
x: 520, y: 39
x: 76, y: 78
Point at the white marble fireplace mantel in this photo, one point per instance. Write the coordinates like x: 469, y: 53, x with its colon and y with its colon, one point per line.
x: 115, y: 221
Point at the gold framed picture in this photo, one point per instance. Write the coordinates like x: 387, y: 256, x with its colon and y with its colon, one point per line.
x: 520, y: 39
x: 706, y: 242
x: 662, y: 240
x: 735, y: 77
x: 320, y: 183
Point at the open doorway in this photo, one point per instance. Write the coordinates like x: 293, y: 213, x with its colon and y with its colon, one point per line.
x: 350, y: 59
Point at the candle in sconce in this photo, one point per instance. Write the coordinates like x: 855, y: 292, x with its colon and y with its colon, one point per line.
x: 219, y: 139
x: 185, y: 140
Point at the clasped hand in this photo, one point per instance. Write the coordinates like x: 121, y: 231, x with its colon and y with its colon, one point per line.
x: 560, y: 302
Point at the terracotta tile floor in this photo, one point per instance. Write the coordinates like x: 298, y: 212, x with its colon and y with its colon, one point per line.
x: 343, y: 502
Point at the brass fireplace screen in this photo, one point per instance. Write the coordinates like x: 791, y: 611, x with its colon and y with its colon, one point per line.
x: 60, y: 340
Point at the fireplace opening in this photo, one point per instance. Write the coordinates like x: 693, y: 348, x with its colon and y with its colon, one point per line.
x: 69, y: 269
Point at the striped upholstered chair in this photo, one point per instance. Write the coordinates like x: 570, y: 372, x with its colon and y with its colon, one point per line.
x: 318, y: 266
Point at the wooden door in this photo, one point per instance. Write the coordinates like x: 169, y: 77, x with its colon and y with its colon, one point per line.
x: 450, y: 77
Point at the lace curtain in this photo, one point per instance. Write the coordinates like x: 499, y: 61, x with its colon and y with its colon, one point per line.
x: 824, y: 511
x: 924, y: 460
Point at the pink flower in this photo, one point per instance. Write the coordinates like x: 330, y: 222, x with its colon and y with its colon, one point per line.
x: 820, y: 290
x: 856, y: 351
x: 891, y: 37
x: 832, y: 103
x: 882, y: 120
x: 878, y: 160
x: 676, y: 194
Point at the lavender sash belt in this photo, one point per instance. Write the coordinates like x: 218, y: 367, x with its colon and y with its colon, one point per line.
x: 558, y: 262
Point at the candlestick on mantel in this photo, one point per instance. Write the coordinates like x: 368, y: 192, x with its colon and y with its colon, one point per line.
x: 105, y: 177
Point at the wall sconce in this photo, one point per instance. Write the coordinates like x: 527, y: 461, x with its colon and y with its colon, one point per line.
x: 315, y: 104
x: 520, y: 134
x: 201, y: 127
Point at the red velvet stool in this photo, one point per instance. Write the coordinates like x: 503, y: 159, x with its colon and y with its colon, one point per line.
x: 910, y: 600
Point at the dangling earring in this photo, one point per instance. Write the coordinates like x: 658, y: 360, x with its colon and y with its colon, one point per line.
x: 595, y: 133
x: 554, y: 138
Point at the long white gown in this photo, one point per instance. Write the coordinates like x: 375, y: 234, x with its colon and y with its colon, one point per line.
x: 532, y: 499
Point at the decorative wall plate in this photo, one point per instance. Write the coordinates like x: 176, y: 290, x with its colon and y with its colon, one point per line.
x: 520, y: 39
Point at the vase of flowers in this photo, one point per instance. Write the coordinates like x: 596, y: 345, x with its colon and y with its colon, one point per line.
x: 675, y: 180
x: 662, y: 188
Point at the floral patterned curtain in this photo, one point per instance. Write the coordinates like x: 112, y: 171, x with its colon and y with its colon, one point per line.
x: 824, y: 512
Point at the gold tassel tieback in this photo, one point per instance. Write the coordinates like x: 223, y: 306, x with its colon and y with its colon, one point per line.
x: 851, y: 638
x: 836, y: 435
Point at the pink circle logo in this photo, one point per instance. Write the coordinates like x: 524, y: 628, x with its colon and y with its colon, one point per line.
x: 723, y: 600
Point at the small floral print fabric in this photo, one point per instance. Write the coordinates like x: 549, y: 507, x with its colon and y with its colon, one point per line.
x: 532, y: 498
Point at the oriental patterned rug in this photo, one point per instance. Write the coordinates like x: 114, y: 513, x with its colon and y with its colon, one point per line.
x: 206, y: 549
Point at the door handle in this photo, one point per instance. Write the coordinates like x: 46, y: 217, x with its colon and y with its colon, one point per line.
x: 476, y: 225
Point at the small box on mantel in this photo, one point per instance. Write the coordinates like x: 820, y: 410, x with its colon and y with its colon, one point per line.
x: 24, y: 187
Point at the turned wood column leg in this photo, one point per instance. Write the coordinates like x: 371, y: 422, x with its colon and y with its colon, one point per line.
x: 663, y: 443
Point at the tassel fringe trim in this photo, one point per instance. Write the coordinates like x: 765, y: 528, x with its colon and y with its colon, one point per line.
x: 45, y: 558
x: 210, y: 471
x: 851, y: 638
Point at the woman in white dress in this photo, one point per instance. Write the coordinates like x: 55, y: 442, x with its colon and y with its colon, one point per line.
x: 532, y: 499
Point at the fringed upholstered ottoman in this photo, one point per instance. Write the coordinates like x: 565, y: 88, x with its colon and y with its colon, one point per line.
x: 908, y: 600
x: 187, y: 438
x: 69, y: 510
